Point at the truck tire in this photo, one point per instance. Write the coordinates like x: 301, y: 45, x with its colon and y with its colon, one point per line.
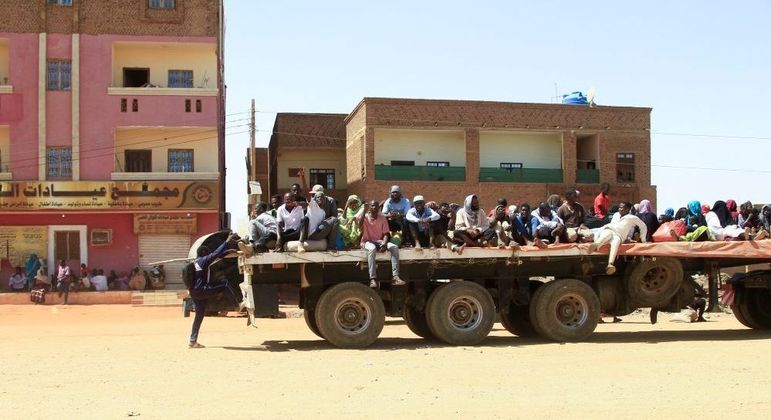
x: 310, y: 321
x: 739, y: 313
x: 565, y: 310
x: 652, y: 283
x: 350, y: 315
x: 758, y: 306
x: 416, y: 322
x: 517, y: 319
x: 460, y: 313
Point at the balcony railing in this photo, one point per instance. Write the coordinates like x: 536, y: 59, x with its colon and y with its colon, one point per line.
x: 420, y: 173
x: 159, y: 91
x: 587, y: 176
x: 525, y: 175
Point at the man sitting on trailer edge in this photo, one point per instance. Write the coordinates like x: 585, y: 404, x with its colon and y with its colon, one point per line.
x: 617, y: 232
x: 375, y: 237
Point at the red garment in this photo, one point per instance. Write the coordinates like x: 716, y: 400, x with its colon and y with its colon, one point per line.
x: 601, y: 206
x: 731, y: 204
x: 373, y: 230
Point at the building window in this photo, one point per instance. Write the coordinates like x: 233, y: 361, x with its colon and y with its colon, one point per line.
x: 510, y: 165
x: 180, y: 78
x: 139, y: 160
x: 437, y: 164
x: 136, y: 77
x: 181, y: 160
x: 59, y: 162
x: 162, y: 4
x: 402, y: 163
x: 67, y: 245
x: 625, y: 167
x: 60, y: 2
x: 325, y: 177
x: 59, y: 74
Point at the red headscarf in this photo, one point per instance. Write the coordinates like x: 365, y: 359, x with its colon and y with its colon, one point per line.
x: 731, y: 204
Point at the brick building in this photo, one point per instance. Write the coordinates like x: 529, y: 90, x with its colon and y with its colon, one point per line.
x: 111, y: 130
x: 447, y: 149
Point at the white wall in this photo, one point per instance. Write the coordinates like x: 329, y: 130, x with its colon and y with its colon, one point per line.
x: 420, y: 146
x: 533, y: 150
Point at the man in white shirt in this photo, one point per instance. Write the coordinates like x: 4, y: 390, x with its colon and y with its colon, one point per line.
x: 289, y: 218
x: 262, y: 229
x: 99, y: 281
x: 422, y: 223
x: 317, y: 225
x: 616, y: 232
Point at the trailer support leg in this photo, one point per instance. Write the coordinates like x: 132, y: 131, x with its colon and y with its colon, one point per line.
x: 713, y: 277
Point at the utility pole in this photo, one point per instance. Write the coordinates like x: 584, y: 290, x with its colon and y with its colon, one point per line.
x: 252, y: 148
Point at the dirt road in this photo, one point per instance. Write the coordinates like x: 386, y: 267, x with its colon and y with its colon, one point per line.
x: 119, y: 361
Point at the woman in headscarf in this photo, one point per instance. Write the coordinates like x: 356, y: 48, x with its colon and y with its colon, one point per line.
x: 349, y: 229
x: 732, y: 208
x: 31, y: 268
x: 696, y: 224
x: 720, y: 223
x: 668, y: 216
x: 646, y: 214
x: 705, y: 208
x: 765, y: 217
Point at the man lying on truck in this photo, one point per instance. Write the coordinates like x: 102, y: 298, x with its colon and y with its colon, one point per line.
x: 617, y: 232
x: 289, y: 219
x: 375, y: 237
x: 262, y: 229
x: 422, y: 222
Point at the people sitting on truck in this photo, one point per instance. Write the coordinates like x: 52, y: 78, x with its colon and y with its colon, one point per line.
x: 617, y: 232
x: 695, y: 223
x: 547, y: 226
x: 262, y: 229
x: 501, y: 202
x: 329, y: 205
x: 394, y: 209
x: 349, y: 229
x: 289, y: 219
x: 765, y: 218
x: 521, y: 225
x: 471, y: 226
x: 573, y: 216
x: 275, y: 202
x: 500, y: 224
x: 668, y: 216
x: 620, y: 210
x: 749, y: 220
x: 375, y: 237
x: 646, y: 214
x: 446, y: 224
x: 423, y: 223
x: 316, y: 225
x: 732, y: 208
x: 720, y: 223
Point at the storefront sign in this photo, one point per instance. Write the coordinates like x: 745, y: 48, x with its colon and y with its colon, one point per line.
x: 93, y: 195
x: 165, y: 224
x: 18, y: 242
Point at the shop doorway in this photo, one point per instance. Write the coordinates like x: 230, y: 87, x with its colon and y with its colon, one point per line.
x: 68, y: 243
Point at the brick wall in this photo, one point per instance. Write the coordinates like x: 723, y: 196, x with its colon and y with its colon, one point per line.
x: 119, y: 17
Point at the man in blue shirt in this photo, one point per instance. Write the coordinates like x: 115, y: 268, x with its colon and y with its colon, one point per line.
x: 202, y: 289
x: 522, y: 225
x: 394, y: 209
x: 422, y: 222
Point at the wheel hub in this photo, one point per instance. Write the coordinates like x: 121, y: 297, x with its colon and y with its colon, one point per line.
x: 655, y: 279
x: 352, y: 316
x: 465, y: 313
x: 571, y: 310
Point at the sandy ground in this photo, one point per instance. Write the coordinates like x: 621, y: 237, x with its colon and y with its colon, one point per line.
x: 120, y: 361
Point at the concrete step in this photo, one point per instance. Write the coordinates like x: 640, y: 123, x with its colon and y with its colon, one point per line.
x: 156, y: 298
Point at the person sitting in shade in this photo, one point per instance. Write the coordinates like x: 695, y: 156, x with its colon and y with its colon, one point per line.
x: 289, y: 219
x: 317, y: 225
x: 617, y: 232
x: 500, y: 224
x: 375, y: 237
x: 17, y: 282
x: 395, y: 209
x: 471, y: 226
x: 99, y: 281
x: 422, y: 222
x: 262, y: 229
x: 547, y: 226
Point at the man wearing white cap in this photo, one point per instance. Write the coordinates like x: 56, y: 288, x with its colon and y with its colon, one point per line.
x: 422, y: 223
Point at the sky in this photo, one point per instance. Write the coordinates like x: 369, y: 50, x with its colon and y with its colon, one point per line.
x: 701, y: 65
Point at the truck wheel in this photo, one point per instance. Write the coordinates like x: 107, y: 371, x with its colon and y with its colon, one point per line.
x: 758, y: 303
x: 653, y: 283
x: 738, y: 311
x: 517, y: 319
x: 460, y: 313
x: 310, y: 321
x: 350, y: 315
x: 416, y: 322
x: 565, y: 310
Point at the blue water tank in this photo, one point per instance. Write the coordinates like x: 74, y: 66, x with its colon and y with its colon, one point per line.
x: 575, y: 98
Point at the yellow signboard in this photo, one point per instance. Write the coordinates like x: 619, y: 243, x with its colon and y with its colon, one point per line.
x: 165, y: 223
x: 17, y: 242
x: 95, y: 195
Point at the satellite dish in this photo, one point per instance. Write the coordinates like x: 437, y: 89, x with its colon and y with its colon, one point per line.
x: 590, y: 95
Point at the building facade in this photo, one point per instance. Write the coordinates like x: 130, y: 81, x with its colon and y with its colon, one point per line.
x: 111, y: 131
x: 447, y: 149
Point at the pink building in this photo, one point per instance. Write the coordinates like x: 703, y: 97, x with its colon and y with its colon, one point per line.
x: 111, y: 131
